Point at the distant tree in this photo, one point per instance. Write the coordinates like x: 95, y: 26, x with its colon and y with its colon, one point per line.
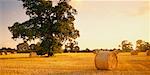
x: 76, y: 48
x: 39, y: 49
x: 87, y: 49
x: 3, y: 48
x: 58, y: 49
x: 32, y: 47
x: 38, y: 44
x: 23, y: 46
x: 72, y: 46
x: 66, y: 49
x: 147, y: 46
x: 142, y: 45
x: 126, y: 45
x: 52, y: 24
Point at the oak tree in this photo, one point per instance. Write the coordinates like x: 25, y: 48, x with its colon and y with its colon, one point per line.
x: 52, y: 23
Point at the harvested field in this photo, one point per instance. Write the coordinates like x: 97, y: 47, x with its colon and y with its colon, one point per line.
x: 71, y: 63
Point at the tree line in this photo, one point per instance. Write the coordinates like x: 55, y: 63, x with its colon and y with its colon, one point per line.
x: 141, y: 45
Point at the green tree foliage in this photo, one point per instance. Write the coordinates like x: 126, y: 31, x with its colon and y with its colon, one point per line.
x: 76, y: 48
x: 72, y: 46
x: 23, y: 46
x: 87, y: 49
x: 32, y: 47
x: 147, y: 46
x: 39, y: 49
x: 126, y: 45
x: 142, y: 45
x: 52, y: 24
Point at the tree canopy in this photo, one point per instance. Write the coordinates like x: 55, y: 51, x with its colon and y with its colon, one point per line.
x: 52, y: 24
x: 142, y: 45
x: 72, y: 46
x: 126, y: 45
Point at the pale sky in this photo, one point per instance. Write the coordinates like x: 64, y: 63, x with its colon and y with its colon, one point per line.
x: 102, y: 23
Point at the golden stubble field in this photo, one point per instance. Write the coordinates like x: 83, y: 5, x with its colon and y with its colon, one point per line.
x: 71, y: 64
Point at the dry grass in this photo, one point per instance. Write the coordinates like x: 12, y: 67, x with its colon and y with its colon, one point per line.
x: 71, y: 63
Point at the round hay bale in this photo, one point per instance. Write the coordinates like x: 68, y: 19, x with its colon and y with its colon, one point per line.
x: 134, y: 52
x: 148, y: 52
x: 14, y: 52
x: 105, y: 60
x: 33, y: 54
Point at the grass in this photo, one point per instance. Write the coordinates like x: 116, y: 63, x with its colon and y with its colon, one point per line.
x: 71, y: 64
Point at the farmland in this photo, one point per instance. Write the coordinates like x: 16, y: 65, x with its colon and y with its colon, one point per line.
x: 71, y: 63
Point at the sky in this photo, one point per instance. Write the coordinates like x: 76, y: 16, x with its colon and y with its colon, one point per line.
x: 102, y: 23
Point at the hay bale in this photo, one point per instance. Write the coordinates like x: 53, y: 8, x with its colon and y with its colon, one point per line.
x: 134, y: 52
x: 105, y: 60
x: 14, y: 52
x: 148, y: 52
x: 33, y: 54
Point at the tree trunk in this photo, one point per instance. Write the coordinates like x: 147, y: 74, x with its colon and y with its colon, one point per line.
x: 50, y: 54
